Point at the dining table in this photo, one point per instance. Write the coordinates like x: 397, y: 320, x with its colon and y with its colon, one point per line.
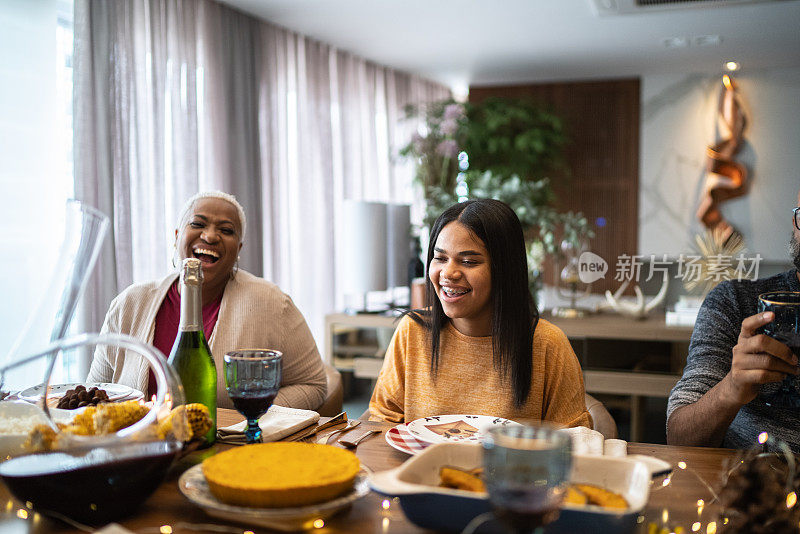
x: 683, y: 498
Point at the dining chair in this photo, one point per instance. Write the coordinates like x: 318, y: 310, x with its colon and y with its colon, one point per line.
x: 601, y: 419
x: 332, y: 404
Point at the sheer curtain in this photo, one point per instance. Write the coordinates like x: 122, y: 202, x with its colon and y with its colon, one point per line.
x: 172, y: 97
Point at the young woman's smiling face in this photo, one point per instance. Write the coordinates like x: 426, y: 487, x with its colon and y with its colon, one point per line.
x: 212, y: 234
x: 461, y: 275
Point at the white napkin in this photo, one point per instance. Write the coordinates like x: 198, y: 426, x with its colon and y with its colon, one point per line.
x: 276, y: 424
x: 591, y: 442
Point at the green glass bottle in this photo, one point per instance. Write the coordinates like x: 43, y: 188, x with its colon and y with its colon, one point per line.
x: 190, y: 356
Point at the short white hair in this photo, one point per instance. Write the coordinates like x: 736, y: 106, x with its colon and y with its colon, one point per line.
x: 187, y: 209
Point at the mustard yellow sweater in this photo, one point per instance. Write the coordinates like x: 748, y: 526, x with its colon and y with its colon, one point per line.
x: 466, y: 382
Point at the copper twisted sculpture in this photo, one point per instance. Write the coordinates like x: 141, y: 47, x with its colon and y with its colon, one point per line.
x: 725, y: 178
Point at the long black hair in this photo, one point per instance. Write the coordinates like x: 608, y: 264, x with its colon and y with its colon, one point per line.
x: 514, y: 316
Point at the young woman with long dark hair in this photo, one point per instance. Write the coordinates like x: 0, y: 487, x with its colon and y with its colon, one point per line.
x: 479, y: 347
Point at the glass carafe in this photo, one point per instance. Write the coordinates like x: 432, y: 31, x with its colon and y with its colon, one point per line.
x: 84, y: 230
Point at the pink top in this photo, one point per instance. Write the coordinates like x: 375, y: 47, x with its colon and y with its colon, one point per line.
x: 168, y: 320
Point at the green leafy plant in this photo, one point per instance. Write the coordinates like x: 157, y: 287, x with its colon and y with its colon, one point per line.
x: 499, y: 148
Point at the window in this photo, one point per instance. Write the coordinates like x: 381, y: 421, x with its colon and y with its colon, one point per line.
x: 36, y: 150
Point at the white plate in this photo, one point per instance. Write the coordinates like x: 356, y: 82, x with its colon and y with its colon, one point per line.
x: 454, y: 428
x: 115, y: 391
x: 194, y: 487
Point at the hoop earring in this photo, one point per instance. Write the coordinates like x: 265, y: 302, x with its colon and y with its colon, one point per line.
x: 235, y: 268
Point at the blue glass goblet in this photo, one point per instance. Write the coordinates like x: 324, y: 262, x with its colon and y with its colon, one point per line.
x: 253, y: 378
x: 786, y: 329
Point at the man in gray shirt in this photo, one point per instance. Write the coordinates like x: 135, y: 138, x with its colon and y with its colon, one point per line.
x: 717, y: 402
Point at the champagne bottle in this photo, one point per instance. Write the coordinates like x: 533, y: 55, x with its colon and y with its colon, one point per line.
x: 190, y: 356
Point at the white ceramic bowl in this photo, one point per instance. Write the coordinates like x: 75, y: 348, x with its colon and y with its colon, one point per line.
x: 429, y: 506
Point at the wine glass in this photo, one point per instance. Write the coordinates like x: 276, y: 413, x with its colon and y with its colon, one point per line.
x: 786, y: 329
x: 253, y: 378
x: 526, y: 470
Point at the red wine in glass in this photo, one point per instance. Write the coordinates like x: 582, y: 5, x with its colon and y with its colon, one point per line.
x: 252, y: 404
x: 253, y: 378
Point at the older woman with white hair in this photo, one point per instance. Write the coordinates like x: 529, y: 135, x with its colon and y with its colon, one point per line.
x: 240, y: 310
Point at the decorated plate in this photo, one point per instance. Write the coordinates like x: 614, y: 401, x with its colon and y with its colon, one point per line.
x: 194, y: 487
x: 454, y: 428
x: 400, y: 438
x: 115, y: 391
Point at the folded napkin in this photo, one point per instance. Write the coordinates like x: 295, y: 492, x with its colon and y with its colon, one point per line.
x: 591, y: 442
x: 276, y: 424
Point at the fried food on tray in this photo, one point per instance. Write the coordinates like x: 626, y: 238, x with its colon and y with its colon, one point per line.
x: 601, y: 496
x: 574, y: 496
x: 455, y: 478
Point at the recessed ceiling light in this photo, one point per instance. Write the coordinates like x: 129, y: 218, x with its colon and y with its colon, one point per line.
x: 707, y: 40
x: 731, y: 66
x: 675, y: 42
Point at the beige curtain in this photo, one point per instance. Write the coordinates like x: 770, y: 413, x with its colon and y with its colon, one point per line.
x: 174, y: 96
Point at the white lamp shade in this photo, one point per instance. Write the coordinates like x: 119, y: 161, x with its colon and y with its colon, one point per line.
x: 364, y: 246
x: 399, y: 244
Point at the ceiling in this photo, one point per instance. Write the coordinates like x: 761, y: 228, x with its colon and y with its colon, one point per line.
x: 484, y: 42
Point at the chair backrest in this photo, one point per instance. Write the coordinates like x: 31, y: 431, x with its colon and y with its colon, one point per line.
x: 332, y: 404
x: 603, y: 422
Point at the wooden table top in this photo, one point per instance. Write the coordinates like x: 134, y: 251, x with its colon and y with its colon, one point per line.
x: 167, y: 506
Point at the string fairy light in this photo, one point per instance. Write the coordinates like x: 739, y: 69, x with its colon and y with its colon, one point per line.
x: 165, y: 529
x: 319, y: 523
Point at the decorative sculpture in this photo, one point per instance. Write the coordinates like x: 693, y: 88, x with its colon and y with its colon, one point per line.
x: 640, y: 308
x: 726, y: 178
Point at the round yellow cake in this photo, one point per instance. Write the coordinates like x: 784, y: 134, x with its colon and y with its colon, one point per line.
x: 272, y: 475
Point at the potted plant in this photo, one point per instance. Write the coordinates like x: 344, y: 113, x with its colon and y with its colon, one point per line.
x: 499, y: 148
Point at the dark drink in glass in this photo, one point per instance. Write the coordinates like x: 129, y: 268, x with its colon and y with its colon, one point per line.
x: 785, y: 327
x: 252, y: 405
x: 526, y: 469
x: 252, y: 379
x: 525, y: 509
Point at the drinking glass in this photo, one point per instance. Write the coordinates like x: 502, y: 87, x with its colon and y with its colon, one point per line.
x: 786, y: 329
x: 253, y: 378
x: 526, y: 470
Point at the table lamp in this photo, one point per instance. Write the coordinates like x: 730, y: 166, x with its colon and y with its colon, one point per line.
x: 364, y: 266
x: 399, y: 251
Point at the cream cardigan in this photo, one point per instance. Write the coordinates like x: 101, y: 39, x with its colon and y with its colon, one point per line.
x: 254, y: 313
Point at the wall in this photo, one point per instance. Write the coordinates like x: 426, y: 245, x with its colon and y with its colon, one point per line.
x: 677, y: 123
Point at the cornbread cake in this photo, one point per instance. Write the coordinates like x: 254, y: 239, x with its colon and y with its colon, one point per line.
x: 272, y: 475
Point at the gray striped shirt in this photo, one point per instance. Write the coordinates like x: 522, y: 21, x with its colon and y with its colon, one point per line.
x: 710, y: 352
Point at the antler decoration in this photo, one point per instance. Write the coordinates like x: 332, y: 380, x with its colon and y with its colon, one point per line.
x: 640, y: 309
x: 725, y: 178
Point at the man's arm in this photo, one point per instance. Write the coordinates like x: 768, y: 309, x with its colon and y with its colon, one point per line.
x: 757, y: 359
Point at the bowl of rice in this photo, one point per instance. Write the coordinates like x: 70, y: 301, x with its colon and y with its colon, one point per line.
x: 17, y: 419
